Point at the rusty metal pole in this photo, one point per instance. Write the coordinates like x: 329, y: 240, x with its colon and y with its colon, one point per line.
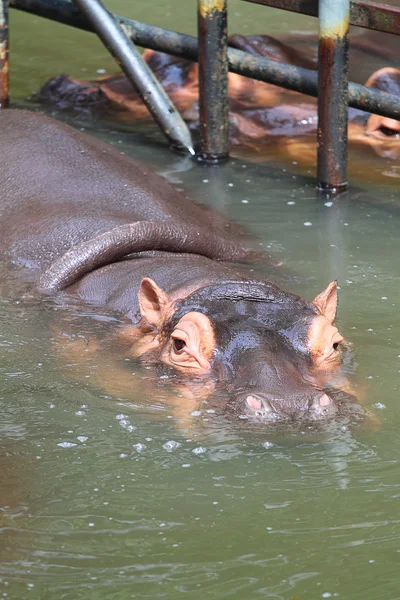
x: 333, y: 95
x: 4, y: 68
x: 213, y: 80
x: 243, y: 63
x: 138, y: 73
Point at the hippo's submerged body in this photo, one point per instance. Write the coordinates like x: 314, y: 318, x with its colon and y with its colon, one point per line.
x: 79, y: 216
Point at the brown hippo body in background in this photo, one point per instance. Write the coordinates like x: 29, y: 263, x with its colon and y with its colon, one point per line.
x: 265, y: 121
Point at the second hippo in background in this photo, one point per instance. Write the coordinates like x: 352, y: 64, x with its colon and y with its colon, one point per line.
x: 266, y: 121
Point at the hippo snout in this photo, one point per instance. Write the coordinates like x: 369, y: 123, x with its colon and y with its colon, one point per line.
x: 261, y: 405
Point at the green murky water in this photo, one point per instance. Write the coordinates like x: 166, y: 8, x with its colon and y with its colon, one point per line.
x: 109, y: 497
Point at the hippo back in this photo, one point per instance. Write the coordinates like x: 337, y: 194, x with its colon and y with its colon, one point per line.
x: 61, y: 187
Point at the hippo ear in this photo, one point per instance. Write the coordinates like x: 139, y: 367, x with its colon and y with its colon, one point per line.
x: 153, y: 302
x: 327, y: 301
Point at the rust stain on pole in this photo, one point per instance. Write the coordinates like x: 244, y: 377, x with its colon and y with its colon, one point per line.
x: 333, y: 95
x: 213, y: 80
x: 4, y: 67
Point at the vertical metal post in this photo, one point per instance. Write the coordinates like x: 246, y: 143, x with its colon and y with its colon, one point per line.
x: 4, y: 69
x: 213, y: 80
x: 333, y: 95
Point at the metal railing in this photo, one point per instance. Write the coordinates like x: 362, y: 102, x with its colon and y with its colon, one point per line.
x: 330, y: 83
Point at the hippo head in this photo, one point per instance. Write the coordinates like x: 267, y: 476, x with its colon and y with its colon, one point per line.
x: 270, y: 354
x: 383, y: 132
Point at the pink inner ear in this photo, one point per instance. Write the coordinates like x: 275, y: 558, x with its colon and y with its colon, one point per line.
x: 153, y: 302
x: 326, y: 301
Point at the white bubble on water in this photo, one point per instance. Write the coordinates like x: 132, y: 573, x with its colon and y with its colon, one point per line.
x: 171, y: 445
x: 307, y: 224
x: 82, y: 438
x: 268, y: 445
x: 66, y: 444
x: 124, y: 422
x: 139, y: 447
x: 328, y: 204
x: 380, y: 405
x: 326, y: 595
x: 291, y: 202
x: 195, y: 413
x: 245, y: 201
x: 199, y: 450
x: 80, y: 413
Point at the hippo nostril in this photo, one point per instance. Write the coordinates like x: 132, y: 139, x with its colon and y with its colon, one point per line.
x: 254, y: 402
x: 324, y: 400
x: 258, y: 403
x: 322, y: 405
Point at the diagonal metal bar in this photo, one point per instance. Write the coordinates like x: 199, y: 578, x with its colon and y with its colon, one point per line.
x: 139, y: 74
x: 185, y: 46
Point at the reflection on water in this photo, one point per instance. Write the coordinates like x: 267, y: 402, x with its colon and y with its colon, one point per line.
x: 102, y: 496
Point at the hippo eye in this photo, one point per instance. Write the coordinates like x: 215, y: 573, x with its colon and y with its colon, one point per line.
x: 178, y: 345
x: 336, y: 346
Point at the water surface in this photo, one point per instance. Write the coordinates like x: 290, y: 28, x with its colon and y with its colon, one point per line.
x: 105, y: 496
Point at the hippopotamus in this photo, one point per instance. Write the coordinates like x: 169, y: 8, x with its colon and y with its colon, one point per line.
x: 265, y: 120
x: 82, y: 220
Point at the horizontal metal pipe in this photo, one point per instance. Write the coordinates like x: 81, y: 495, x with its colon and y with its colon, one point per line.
x: 139, y: 74
x: 369, y: 15
x: 185, y: 46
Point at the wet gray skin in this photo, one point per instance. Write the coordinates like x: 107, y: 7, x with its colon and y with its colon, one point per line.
x: 58, y: 226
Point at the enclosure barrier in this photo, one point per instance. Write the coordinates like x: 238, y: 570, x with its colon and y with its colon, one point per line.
x: 213, y: 80
x: 211, y: 52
